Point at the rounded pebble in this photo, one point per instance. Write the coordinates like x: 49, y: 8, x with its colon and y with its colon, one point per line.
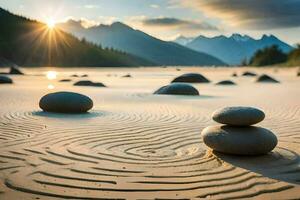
x: 5, y: 80
x: 65, y: 102
x: 266, y: 79
x: 178, y: 89
x: 248, y: 140
x: 89, y: 83
x: 191, y: 78
x: 226, y: 82
x: 238, y: 116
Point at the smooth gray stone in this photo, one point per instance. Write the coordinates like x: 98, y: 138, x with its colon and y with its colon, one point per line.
x: 177, y: 89
x: 65, y: 102
x: 127, y: 76
x: 266, y: 79
x: 65, y: 80
x: 89, y: 83
x: 191, y: 78
x: 248, y: 140
x: 5, y: 80
x: 249, y: 74
x: 238, y: 116
x: 15, y: 71
x: 226, y: 82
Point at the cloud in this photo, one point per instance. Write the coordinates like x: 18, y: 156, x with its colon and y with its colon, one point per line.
x: 90, y: 6
x: 154, y: 6
x: 169, y: 22
x: 251, y: 14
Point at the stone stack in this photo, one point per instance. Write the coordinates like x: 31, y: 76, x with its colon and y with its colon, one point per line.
x: 237, y: 135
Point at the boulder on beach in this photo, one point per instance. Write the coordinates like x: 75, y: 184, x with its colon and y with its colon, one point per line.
x: 65, y: 102
x: 89, y: 83
x: 191, y: 78
x: 74, y: 75
x: 65, y: 80
x: 177, y: 89
x: 5, y: 80
x: 248, y: 140
x: 84, y: 75
x: 249, y: 74
x: 238, y: 116
x: 15, y: 71
x: 266, y: 79
x: 226, y: 82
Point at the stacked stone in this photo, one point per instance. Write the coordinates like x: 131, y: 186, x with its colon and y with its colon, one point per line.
x: 237, y: 135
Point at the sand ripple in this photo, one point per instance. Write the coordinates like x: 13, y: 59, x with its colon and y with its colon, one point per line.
x: 138, y: 151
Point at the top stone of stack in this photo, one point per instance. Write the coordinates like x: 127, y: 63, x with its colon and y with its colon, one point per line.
x: 238, y: 116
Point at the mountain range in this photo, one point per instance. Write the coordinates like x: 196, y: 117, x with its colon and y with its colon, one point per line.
x: 28, y: 42
x: 234, y: 49
x: 122, y: 37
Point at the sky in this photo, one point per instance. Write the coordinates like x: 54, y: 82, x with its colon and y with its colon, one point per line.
x: 168, y: 19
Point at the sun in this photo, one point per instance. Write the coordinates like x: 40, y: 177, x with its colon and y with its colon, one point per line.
x: 51, y: 75
x: 51, y: 24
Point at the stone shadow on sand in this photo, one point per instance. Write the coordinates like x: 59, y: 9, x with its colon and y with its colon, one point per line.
x: 86, y: 115
x: 281, y: 164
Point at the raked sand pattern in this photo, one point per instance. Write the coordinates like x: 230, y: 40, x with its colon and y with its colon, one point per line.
x: 135, y: 145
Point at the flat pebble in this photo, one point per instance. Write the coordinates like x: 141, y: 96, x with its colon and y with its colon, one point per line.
x: 249, y: 140
x: 238, y: 116
x: 177, y: 89
x: 65, y: 102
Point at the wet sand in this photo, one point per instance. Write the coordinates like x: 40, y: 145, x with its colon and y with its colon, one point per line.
x: 135, y: 145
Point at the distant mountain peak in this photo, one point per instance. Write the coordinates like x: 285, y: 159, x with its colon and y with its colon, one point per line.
x: 271, y: 37
x: 183, y: 40
x: 120, y: 25
x: 240, y: 38
x: 235, y: 48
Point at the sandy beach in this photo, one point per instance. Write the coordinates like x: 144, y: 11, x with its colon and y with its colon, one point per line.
x: 136, y: 145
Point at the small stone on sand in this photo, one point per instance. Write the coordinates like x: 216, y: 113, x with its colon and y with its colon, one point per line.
x: 266, y: 79
x: 249, y: 140
x: 238, y: 116
x: 178, y: 89
x: 191, y: 78
x: 226, y: 82
x: 65, y: 80
x: 5, y: 80
x: 65, y: 102
x: 89, y: 83
x: 249, y: 74
x: 15, y: 71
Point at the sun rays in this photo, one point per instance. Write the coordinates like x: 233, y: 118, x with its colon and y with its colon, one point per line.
x: 51, y: 24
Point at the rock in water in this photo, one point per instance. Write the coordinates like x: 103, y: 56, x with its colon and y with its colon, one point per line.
x: 89, y: 83
x: 266, y: 79
x: 191, y: 78
x: 15, y: 71
x: 238, y: 116
x: 65, y: 102
x: 249, y: 140
x: 226, y: 82
x: 178, y: 89
x: 249, y: 74
x: 5, y: 80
